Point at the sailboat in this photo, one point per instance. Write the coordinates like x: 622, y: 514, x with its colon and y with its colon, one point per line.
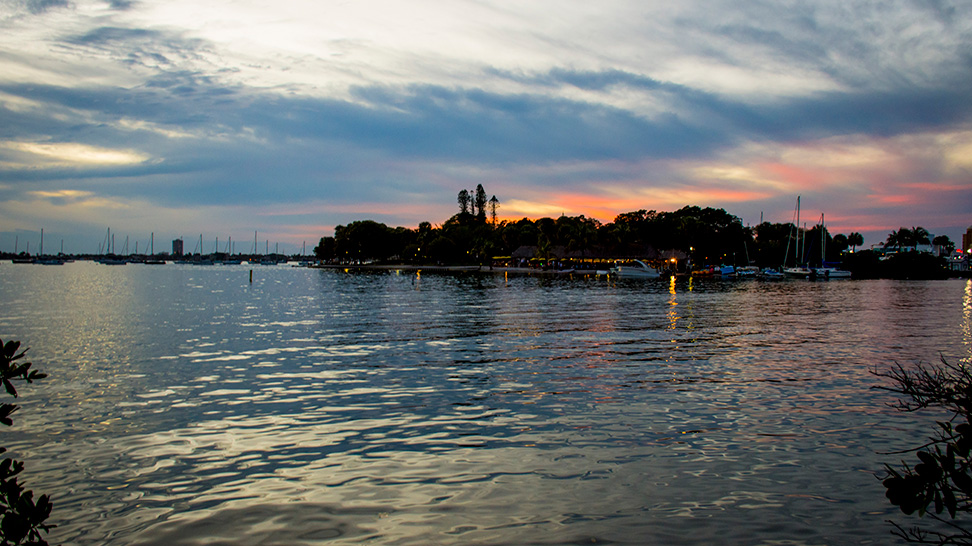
x: 824, y: 272
x: 798, y: 271
x: 200, y: 259
x: 47, y: 260
x: 152, y: 258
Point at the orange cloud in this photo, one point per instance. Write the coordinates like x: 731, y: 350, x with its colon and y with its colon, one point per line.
x: 892, y: 199
x: 929, y: 186
x: 796, y: 178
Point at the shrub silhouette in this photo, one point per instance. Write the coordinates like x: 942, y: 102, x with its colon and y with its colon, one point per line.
x: 942, y: 479
x: 21, y: 518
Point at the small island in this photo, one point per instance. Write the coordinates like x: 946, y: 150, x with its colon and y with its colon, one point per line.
x: 690, y: 240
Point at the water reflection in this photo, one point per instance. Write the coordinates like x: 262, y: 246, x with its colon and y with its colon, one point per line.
x: 339, y: 407
x: 967, y: 316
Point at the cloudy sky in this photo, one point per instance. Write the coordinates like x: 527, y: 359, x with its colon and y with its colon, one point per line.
x: 225, y: 117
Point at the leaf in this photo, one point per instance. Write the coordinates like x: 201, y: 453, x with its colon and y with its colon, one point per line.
x: 927, y: 458
x: 948, y: 498
x: 10, y: 388
x: 963, y: 481
x: 10, y: 348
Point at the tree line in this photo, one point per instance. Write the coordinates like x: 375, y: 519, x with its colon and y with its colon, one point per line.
x: 708, y: 236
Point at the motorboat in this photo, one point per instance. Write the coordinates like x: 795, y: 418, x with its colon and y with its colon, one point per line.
x: 831, y: 273
x: 636, y: 269
x: 771, y: 275
x: 747, y: 272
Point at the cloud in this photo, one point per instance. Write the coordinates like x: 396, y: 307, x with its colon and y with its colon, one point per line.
x: 387, y: 112
x: 40, y: 6
x: 44, y: 154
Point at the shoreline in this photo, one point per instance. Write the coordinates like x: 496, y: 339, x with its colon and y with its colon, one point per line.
x: 454, y: 269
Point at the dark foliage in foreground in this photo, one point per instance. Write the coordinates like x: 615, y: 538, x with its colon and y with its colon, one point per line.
x: 941, y: 482
x: 21, y: 517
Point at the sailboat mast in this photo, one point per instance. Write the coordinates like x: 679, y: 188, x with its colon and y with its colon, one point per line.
x: 41, y: 253
x: 799, y: 249
x: 823, y: 241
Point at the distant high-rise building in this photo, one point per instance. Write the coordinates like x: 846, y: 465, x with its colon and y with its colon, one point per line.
x: 177, y: 247
x: 967, y: 240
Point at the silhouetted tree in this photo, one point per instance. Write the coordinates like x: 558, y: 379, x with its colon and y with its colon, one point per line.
x: 896, y: 238
x: 944, y: 244
x: 771, y: 243
x: 480, y: 203
x: 493, y: 205
x: 21, y: 518
x: 365, y: 240
x: 325, y: 249
x: 942, y: 481
x: 840, y: 244
x: 855, y: 240
x: 919, y: 236
x: 464, y: 201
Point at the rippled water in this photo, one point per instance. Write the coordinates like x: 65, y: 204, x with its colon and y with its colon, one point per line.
x: 186, y: 406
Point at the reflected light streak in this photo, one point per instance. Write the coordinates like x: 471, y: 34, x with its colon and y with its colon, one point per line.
x: 967, y: 316
x: 672, y: 305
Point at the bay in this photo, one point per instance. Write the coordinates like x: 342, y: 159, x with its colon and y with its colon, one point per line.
x: 186, y: 405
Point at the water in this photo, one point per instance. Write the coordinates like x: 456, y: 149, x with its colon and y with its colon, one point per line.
x: 186, y: 406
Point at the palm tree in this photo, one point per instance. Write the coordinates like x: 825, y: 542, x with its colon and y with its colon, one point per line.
x: 906, y: 237
x: 893, y: 240
x: 920, y: 236
x: 855, y: 239
x: 944, y: 244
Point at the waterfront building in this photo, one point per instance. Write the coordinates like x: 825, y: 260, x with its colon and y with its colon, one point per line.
x: 967, y: 241
x: 177, y: 247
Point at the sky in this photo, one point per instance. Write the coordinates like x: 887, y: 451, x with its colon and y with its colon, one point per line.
x: 244, y: 119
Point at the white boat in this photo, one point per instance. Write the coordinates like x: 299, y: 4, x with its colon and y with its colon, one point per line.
x: 798, y: 272
x: 831, y: 273
x: 637, y: 269
x: 770, y: 275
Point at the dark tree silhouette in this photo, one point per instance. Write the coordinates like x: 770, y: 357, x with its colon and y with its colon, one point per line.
x: 493, y: 205
x: 464, y: 201
x: 944, y: 244
x: 942, y: 481
x: 21, y: 518
x: 480, y: 203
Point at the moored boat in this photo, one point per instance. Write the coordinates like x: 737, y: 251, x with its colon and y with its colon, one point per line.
x: 768, y: 274
x: 801, y: 272
x: 637, y: 269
